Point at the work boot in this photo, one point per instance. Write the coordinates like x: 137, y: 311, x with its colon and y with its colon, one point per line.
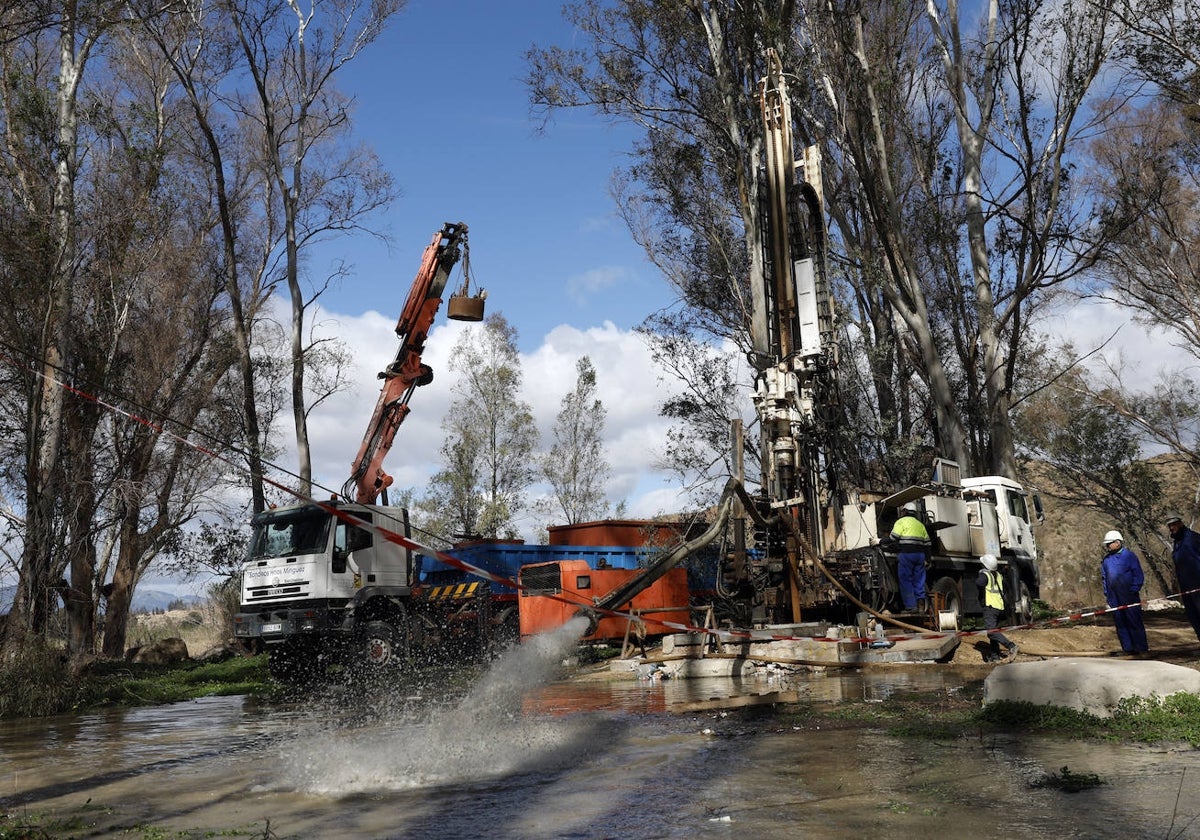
x: 1012, y: 652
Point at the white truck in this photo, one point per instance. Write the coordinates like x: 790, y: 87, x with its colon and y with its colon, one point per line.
x: 966, y: 518
x: 316, y: 587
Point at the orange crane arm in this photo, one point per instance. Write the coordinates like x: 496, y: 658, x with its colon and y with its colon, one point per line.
x: 367, y: 478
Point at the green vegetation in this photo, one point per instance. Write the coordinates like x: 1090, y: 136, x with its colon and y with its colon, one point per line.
x: 39, y: 683
x: 36, y: 682
x: 1147, y: 720
x: 126, y: 684
x: 959, y: 714
x: 1069, y: 782
x: 82, y: 823
x: 1041, y: 611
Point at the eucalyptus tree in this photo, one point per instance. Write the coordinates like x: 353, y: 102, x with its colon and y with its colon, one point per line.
x: 292, y: 52
x: 1165, y: 47
x: 45, y: 50
x: 575, y: 466
x: 1096, y: 459
x: 198, y: 44
x: 488, y: 459
x: 949, y: 143
x: 1147, y: 168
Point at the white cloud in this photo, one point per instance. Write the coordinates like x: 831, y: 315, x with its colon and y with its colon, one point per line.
x: 1139, y: 352
x: 627, y: 383
x: 581, y: 287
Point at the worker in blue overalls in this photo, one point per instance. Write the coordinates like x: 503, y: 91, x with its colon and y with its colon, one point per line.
x: 913, y: 550
x: 1121, y: 574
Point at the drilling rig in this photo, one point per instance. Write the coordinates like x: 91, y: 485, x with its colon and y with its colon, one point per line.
x: 804, y: 546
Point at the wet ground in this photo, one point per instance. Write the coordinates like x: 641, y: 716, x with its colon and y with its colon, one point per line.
x: 525, y: 756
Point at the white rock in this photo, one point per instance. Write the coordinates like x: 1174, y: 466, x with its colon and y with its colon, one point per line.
x: 1087, y: 685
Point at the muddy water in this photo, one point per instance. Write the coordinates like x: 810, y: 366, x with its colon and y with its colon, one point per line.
x: 521, y: 759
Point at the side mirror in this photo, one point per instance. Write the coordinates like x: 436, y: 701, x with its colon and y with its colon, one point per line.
x: 340, y: 555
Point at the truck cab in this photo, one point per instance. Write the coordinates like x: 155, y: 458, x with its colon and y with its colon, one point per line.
x: 307, y: 568
x: 1013, y: 503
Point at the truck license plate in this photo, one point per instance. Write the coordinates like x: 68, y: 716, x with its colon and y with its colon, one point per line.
x: 272, y: 628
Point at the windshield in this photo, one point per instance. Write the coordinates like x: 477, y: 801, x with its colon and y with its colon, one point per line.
x: 302, y: 532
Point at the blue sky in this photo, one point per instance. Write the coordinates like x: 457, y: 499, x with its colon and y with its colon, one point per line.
x: 440, y: 98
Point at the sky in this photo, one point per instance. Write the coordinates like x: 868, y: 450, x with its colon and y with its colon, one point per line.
x: 440, y: 98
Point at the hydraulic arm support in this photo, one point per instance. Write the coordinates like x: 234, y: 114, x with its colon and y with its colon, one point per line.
x: 368, y: 479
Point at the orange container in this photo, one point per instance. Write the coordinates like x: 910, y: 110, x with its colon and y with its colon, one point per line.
x: 574, y: 581
x: 630, y: 533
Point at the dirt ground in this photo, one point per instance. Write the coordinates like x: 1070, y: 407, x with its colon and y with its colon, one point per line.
x: 1170, y: 635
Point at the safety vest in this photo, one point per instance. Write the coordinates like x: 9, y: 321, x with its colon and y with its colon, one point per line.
x: 993, y: 593
x: 911, y: 534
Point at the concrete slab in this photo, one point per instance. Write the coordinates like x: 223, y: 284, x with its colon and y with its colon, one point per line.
x: 925, y: 649
x: 1087, y: 685
x: 816, y: 649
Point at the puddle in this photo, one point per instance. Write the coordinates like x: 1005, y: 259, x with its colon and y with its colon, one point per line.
x: 579, y: 760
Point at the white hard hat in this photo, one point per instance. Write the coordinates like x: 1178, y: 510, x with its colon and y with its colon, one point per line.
x: 989, y: 562
x: 909, y: 507
x: 1113, y: 536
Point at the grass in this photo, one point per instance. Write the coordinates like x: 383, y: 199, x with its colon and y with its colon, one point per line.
x: 127, y: 684
x: 952, y: 715
x: 38, y: 683
x: 1175, y: 718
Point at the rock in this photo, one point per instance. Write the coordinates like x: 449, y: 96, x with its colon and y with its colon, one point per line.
x: 165, y: 652
x: 1088, y: 685
x: 221, y: 653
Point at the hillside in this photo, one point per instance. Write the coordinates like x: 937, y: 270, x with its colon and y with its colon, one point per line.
x: 1070, y: 537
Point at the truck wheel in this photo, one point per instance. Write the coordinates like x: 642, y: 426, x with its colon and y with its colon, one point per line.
x: 383, y: 645
x: 951, y: 599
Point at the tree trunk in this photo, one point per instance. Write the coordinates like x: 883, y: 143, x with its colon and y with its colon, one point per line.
x: 31, y: 605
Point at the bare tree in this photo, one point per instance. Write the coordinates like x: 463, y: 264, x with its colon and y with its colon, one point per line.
x: 293, y: 54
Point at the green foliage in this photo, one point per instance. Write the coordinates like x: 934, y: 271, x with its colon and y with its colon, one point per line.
x: 1024, y: 715
x: 39, y: 827
x: 1042, y: 611
x: 1173, y: 718
x: 129, y: 684
x: 40, y: 684
x: 1151, y: 720
x: 1067, y: 781
x: 575, y: 466
x: 490, y: 437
